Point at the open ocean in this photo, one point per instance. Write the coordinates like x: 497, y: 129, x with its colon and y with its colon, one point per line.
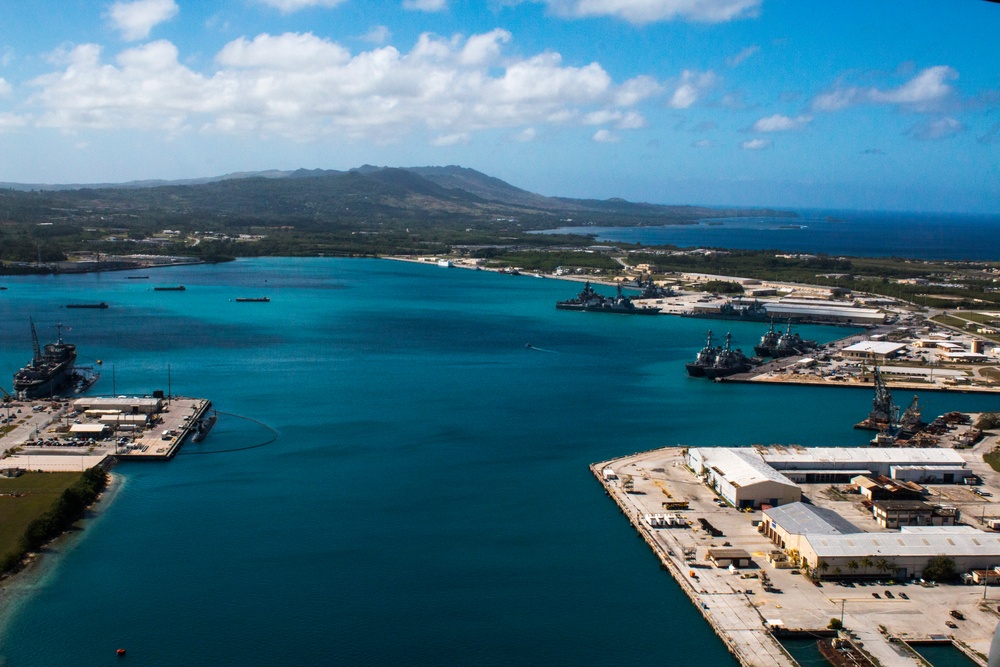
x: 427, y: 500
x: 853, y: 233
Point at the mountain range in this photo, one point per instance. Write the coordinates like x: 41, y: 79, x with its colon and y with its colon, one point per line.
x: 317, y: 198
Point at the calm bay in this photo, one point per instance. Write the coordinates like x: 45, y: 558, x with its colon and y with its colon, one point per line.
x: 427, y: 499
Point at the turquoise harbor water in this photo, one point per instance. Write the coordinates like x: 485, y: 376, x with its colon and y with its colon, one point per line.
x: 427, y: 500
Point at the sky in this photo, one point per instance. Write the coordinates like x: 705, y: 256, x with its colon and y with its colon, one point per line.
x: 844, y: 104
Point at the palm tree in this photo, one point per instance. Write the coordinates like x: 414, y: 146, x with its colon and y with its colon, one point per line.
x: 866, y: 563
x: 822, y: 566
x: 882, y: 565
x: 837, y: 572
x: 853, y: 566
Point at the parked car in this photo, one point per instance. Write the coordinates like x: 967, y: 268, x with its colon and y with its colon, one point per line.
x: 957, y: 614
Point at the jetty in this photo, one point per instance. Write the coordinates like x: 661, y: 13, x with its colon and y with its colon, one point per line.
x: 754, y: 595
x: 61, y: 435
x: 729, y: 610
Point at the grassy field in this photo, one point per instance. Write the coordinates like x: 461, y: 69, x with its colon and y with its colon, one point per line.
x: 41, y: 490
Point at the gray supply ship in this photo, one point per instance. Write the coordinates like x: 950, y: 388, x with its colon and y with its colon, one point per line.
x: 50, y: 368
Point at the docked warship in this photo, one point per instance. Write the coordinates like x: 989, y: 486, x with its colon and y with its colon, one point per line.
x: 784, y: 345
x: 728, y: 362
x: 753, y: 311
x: 590, y: 301
x: 51, y: 367
x: 706, y: 357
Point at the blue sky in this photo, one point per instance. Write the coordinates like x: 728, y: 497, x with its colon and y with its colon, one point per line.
x: 889, y: 105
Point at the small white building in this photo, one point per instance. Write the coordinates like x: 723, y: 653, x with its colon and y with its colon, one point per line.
x: 876, y: 350
x: 124, y: 404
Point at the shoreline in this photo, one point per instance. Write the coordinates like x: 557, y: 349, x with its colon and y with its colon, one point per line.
x: 18, y: 587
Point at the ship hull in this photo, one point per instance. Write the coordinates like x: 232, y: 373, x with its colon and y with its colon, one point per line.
x: 695, y: 370
x: 715, y: 373
x: 45, y: 386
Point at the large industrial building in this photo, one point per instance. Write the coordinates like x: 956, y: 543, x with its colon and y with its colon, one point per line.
x: 755, y: 476
x: 899, y: 555
x: 741, y: 477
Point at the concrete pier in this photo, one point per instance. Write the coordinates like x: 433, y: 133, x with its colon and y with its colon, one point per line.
x: 746, y: 612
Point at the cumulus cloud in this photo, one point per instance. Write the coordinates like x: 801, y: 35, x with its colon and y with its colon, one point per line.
x: 734, y: 61
x: 649, y: 11
x: 780, y: 123
x: 605, y: 137
x: 426, y: 5
x: 756, y: 144
x: 922, y: 92
x: 300, y: 86
x: 290, y: 6
x: 933, y: 130
x: 692, y: 87
x: 134, y: 20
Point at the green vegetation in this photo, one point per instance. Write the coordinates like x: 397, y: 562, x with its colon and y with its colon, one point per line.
x: 721, y: 287
x: 431, y: 210
x: 540, y: 260
x: 988, y: 421
x: 992, y: 458
x: 940, y: 568
x: 835, y: 624
x: 51, y: 503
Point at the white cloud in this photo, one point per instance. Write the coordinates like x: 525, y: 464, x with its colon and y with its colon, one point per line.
x: 756, y: 144
x: 921, y: 93
x: 733, y: 61
x: 12, y: 121
x: 526, y: 135
x: 691, y: 87
x: 605, y: 137
x: 939, y: 128
x: 780, y: 123
x: 134, y: 20
x: 451, y: 139
x: 702, y: 143
x: 290, y: 6
x: 5, y: 87
x: 380, y: 34
x: 928, y: 86
x: 649, y: 11
x: 426, y: 5
x: 303, y: 87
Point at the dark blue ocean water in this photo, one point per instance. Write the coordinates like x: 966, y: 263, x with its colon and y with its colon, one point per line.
x: 853, y: 233
x: 427, y: 500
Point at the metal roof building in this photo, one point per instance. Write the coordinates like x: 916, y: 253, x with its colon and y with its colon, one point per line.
x: 903, y: 554
x: 826, y: 464
x: 786, y: 525
x: 873, y: 349
x: 741, y: 477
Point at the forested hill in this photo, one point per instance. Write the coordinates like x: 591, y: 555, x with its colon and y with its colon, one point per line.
x: 321, y: 200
